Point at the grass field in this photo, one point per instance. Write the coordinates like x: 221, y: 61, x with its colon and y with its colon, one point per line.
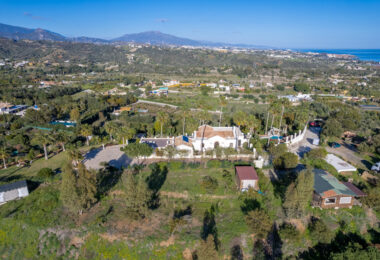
x: 18, y: 173
x: 38, y: 226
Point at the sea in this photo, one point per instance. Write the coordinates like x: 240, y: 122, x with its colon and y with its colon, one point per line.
x: 361, y: 54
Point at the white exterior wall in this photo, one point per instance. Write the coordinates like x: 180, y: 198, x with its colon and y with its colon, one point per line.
x: 23, y: 192
x: 345, y: 200
x: 1, y: 197
x: 248, y: 183
x: 210, y: 143
x: 184, y: 147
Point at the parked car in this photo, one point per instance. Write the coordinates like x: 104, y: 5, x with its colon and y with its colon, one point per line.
x: 335, y: 145
x: 315, y: 124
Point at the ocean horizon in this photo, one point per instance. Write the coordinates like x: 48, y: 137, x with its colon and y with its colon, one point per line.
x: 361, y: 54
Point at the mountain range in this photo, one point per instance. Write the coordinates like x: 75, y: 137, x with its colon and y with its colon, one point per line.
x: 149, y: 37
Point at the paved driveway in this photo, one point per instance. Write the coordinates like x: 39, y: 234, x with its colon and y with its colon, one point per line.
x: 307, y: 143
x: 111, y: 154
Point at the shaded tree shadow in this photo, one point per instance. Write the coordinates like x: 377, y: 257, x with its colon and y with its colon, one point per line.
x: 282, y: 184
x: 339, y: 244
x: 157, y: 178
x: 260, y: 251
x: 107, y: 178
x: 249, y: 204
x: 237, y: 253
x: 276, y: 243
x: 375, y: 236
x: 209, y: 226
x: 155, y: 181
x: 179, y: 213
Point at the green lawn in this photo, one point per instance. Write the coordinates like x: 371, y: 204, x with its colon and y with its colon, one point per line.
x: 15, y: 173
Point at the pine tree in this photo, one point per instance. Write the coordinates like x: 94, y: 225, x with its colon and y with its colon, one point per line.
x: 78, y: 189
x: 137, y: 196
x: 259, y: 222
x: 207, y: 250
x: 299, y: 194
x: 86, y: 187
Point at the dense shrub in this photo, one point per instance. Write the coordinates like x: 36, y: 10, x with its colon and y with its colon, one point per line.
x: 318, y: 153
x: 193, y: 165
x: 226, y: 164
x: 259, y: 222
x: 286, y: 161
x: 289, y: 231
x: 214, y: 164
x: 45, y: 173
x: 319, y: 231
x: 209, y: 183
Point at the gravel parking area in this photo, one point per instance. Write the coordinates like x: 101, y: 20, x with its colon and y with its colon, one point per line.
x: 111, y: 154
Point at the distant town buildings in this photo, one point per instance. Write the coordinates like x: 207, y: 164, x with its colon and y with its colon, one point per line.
x: 300, y: 97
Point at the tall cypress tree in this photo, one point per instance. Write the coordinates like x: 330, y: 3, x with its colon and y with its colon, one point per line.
x: 137, y: 196
x: 68, y: 191
x: 86, y: 186
x: 78, y: 189
x: 299, y: 194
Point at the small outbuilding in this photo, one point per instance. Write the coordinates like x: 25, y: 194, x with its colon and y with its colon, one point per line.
x: 340, y: 165
x: 329, y: 192
x: 246, y: 177
x: 13, y: 191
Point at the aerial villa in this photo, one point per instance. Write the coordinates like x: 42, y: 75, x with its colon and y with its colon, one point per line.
x: 204, y: 138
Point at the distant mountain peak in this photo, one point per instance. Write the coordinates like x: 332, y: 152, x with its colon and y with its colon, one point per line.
x: 147, y: 37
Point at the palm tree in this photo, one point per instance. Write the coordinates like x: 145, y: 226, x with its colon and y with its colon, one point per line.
x: 86, y: 131
x: 126, y: 133
x: 222, y: 103
x: 253, y: 123
x: 163, y: 118
x: 204, y: 116
x: 4, y: 155
x: 75, y: 156
x: 185, y: 113
x: 111, y: 128
x: 44, y: 139
x: 62, y: 138
x: 240, y: 118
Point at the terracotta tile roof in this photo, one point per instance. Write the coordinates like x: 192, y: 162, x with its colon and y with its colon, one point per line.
x: 246, y: 173
x: 329, y: 193
x: 208, y: 131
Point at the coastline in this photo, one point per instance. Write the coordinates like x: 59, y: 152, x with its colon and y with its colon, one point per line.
x: 360, y: 54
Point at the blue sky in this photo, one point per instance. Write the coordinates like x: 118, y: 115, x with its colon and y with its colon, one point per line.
x: 286, y: 24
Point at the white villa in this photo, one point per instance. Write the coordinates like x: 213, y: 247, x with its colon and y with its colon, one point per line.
x: 205, y: 138
x: 208, y: 138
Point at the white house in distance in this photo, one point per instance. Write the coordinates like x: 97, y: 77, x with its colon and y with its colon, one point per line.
x: 208, y: 138
x: 340, y: 165
x: 246, y: 177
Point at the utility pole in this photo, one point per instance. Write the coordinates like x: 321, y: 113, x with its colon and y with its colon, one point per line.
x: 266, y: 125
x: 282, y: 113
